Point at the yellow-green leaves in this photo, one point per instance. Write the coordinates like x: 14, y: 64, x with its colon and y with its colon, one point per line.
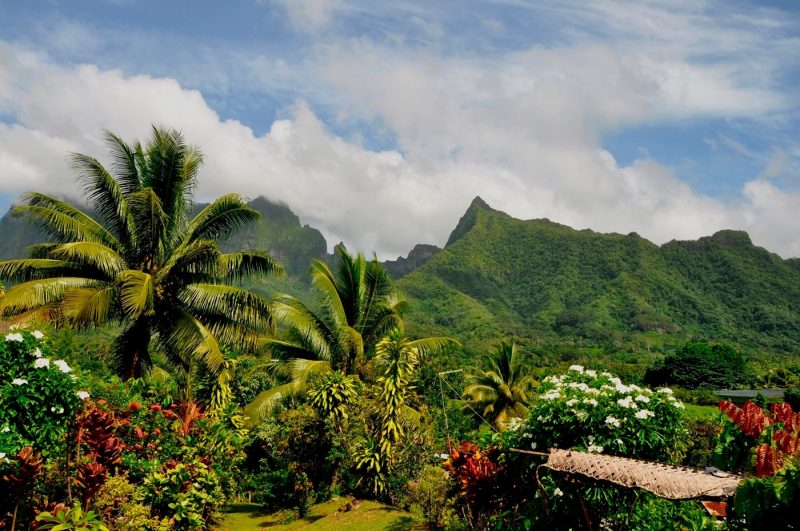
x: 136, y: 292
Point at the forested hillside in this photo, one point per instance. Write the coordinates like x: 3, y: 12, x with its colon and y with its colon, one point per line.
x: 541, y: 281
x: 535, y: 279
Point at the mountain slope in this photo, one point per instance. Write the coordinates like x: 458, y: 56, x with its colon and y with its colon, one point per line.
x: 499, y: 276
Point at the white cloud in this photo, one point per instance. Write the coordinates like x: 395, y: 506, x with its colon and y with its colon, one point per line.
x: 521, y: 129
x: 310, y: 15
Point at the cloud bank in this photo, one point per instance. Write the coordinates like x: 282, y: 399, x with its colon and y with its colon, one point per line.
x: 523, y: 129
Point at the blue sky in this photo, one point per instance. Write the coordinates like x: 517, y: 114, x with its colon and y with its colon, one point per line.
x: 379, y: 121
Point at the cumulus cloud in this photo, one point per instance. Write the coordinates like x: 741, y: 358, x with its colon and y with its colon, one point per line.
x: 523, y: 130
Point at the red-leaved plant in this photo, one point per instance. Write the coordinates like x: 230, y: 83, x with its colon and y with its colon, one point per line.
x: 770, y: 455
x: 477, y: 476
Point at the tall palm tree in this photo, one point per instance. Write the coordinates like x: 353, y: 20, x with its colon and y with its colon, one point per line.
x: 358, y: 306
x: 499, y: 393
x: 141, y: 261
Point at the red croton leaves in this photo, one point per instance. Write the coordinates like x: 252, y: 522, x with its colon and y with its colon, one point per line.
x: 768, y: 460
x: 752, y: 420
x: 477, y: 474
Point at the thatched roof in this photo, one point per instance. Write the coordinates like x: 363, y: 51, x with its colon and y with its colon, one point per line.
x: 666, y: 481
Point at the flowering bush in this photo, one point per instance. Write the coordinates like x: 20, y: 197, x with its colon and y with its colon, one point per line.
x: 38, y: 395
x: 595, y: 412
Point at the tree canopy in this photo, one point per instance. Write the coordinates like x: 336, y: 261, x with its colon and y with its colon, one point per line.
x: 138, y: 259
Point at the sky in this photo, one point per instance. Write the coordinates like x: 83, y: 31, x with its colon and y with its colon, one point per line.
x: 379, y: 122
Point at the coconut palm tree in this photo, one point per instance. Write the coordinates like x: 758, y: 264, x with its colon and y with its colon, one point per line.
x: 499, y: 393
x: 140, y: 260
x: 357, y: 307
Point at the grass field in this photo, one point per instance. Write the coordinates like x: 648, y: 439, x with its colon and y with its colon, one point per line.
x: 324, y: 516
x: 701, y: 412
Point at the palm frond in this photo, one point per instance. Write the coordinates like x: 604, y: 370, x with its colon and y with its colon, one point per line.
x: 136, y: 292
x: 189, y: 336
x: 105, y: 195
x: 266, y: 401
x: 196, y: 261
x: 322, y: 278
x: 305, y: 329
x: 64, y: 223
x: 90, y: 306
x: 224, y: 216
x: 303, y: 370
x: 25, y: 269
x: 150, y: 220
x: 236, y: 266
x: 124, y: 163
x: 237, y: 304
x: 172, y: 168
x: 44, y: 292
x: 92, y: 254
x: 430, y: 346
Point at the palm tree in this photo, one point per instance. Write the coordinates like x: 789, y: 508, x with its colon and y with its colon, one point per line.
x: 499, y: 393
x: 141, y: 262
x: 358, y: 306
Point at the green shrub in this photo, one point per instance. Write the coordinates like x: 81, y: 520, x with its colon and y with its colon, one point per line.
x: 72, y: 518
x: 702, y: 438
x: 792, y: 397
x: 709, y: 365
x: 290, y: 459
x: 189, y: 495
x: 431, y: 496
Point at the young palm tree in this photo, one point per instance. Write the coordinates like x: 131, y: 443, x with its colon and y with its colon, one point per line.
x: 499, y: 393
x: 141, y: 262
x: 358, y: 306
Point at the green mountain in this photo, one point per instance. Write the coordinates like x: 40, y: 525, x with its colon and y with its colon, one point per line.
x: 548, y: 284
x: 280, y: 232
x: 16, y: 235
x: 418, y: 256
x: 540, y: 281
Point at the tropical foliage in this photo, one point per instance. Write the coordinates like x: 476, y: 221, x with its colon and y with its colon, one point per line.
x: 174, y: 461
x: 768, y: 444
x: 141, y: 260
x: 358, y: 306
x: 500, y: 392
x: 293, y: 401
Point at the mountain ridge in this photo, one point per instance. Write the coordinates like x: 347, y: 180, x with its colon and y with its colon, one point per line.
x: 500, y: 276
x: 536, y: 280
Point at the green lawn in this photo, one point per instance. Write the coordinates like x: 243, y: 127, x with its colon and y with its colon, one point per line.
x: 696, y: 412
x: 324, y: 516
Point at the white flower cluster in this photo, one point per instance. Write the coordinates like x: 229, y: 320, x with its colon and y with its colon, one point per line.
x: 514, y: 424
x: 40, y: 362
x: 584, y: 388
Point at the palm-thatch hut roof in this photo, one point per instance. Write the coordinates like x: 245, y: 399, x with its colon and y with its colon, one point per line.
x: 667, y: 481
